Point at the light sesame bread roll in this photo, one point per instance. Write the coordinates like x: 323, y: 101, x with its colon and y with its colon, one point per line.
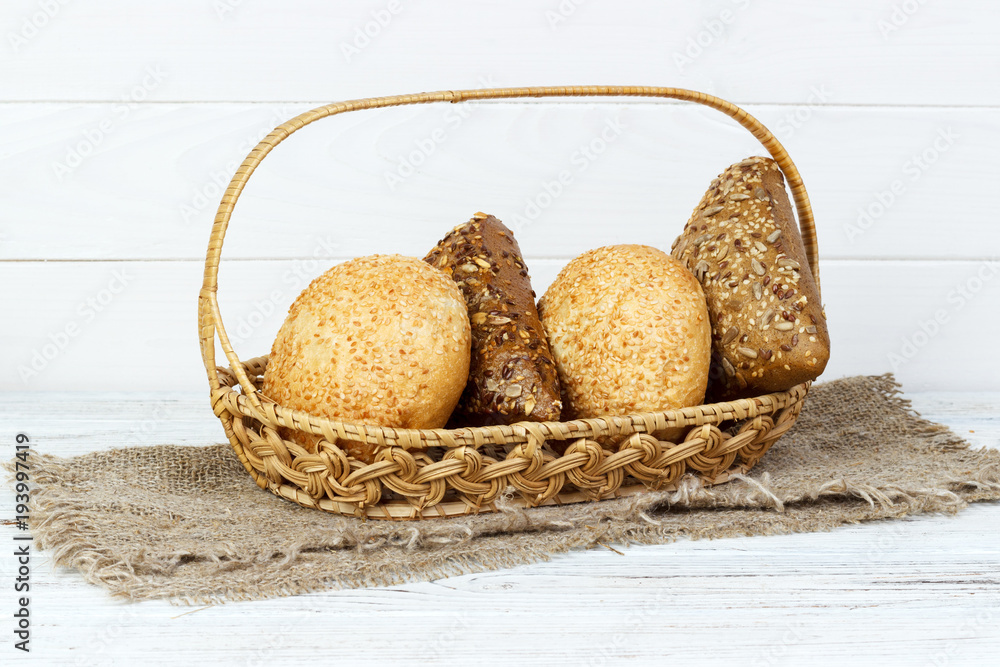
x: 379, y: 340
x: 629, y: 331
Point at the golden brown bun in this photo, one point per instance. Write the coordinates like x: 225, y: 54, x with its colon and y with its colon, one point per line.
x: 512, y: 376
x: 629, y: 331
x: 768, y: 326
x: 380, y: 340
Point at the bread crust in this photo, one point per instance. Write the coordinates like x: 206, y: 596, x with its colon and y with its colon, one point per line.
x: 378, y: 340
x: 769, y: 331
x: 629, y: 330
x: 512, y: 375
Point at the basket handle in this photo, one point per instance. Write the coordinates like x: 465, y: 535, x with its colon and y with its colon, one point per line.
x: 209, y: 317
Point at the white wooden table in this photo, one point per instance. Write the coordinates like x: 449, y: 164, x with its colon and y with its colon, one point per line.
x: 925, y: 590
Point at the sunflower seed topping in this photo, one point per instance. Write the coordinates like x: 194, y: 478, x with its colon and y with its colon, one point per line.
x: 512, y: 391
x: 758, y: 268
x: 747, y: 352
x: 774, y: 236
x: 730, y: 335
x: 700, y: 269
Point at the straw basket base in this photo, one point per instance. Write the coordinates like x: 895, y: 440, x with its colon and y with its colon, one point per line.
x: 402, y: 510
x: 423, y: 474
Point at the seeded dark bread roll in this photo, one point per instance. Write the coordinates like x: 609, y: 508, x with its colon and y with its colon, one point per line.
x: 512, y: 376
x: 742, y: 243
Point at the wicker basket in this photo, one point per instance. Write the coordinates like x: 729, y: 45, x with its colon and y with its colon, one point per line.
x: 440, y: 473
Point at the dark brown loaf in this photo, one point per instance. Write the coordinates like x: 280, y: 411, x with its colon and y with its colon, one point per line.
x: 742, y: 243
x: 512, y: 376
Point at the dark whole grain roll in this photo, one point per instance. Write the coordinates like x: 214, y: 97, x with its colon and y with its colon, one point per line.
x: 512, y: 376
x: 768, y: 327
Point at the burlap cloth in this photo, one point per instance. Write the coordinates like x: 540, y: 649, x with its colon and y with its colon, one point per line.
x: 187, y: 523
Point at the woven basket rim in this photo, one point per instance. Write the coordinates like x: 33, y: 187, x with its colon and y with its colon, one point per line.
x: 466, y: 479
x: 274, y: 414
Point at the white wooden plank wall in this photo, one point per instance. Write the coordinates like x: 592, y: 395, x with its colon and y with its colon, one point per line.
x: 121, y: 124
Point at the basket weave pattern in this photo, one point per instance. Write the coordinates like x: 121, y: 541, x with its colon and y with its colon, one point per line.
x: 440, y: 472
x: 602, y: 458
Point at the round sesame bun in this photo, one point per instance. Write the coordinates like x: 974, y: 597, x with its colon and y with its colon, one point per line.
x: 629, y: 330
x: 378, y: 340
